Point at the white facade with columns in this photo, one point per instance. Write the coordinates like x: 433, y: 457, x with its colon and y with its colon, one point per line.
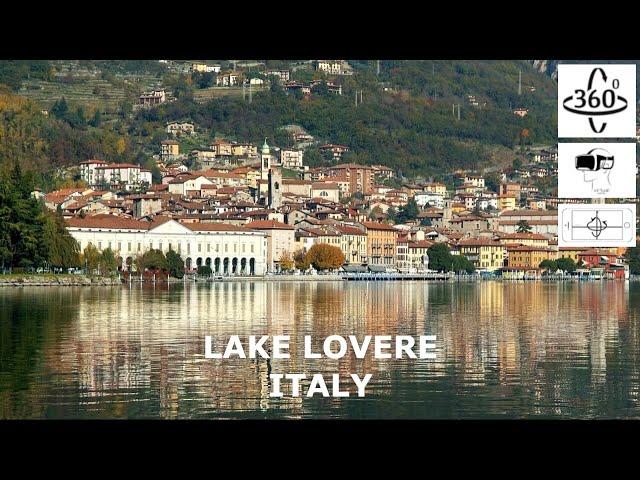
x: 227, y: 249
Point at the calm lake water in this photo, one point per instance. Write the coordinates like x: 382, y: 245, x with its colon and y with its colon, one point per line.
x: 504, y: 350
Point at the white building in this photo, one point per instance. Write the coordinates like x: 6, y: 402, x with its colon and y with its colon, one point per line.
x: 177, y: 128
x: 227, y: 249
x: 433, y: 199
x: 88, y: 170
x: 290, y: 158
x: 125, y: 176
x: 226, y: 80
x: 185, y: 183
x: 204, y: 68
x: 334, y: 67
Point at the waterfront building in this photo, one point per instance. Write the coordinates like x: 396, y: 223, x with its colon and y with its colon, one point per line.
x: 280, y: 241
x: 353, y: 243
x: 530, y: 257
x: 381, y: 243
x: 485, y: 254
x: 227, y: 249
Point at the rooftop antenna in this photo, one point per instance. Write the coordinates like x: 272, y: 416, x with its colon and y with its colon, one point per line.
x: 378, y: 68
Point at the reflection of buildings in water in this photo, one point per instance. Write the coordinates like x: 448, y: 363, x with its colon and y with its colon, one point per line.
x: 539, y: 325
x: 149, y: 343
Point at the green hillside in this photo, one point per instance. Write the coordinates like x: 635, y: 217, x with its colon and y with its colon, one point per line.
x: 408, y: 119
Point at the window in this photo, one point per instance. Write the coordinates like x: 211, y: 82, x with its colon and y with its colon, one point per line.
x: 129, y: 247
x: 208, y: 247
x: 159, y: 245
x: 99, y: 245
x: 119, y: 246
x: 139, y: 246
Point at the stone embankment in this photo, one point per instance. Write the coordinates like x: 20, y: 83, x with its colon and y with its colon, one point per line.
x: 56, y: 280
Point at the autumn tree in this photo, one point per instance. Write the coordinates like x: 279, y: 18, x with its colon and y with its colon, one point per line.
x: 90, y: 258
x: 108, y: 262
x: 286, y: 262
x: 325, y: 257
x: 301, y: 261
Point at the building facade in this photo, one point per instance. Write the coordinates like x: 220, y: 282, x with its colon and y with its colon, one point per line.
x: 227, y: 249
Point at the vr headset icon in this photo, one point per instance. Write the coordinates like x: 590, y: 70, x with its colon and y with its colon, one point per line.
x: 594, y: 161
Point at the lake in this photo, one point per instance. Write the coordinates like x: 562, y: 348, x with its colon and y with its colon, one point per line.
x: 503, y: 350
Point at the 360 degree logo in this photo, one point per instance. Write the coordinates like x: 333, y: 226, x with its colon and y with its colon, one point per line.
x: 594, y: 101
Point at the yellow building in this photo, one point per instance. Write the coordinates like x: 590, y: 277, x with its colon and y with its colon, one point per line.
x: 506, y: 202
x: 525, y: 238
x: 381, y: 243
x: 353, y: 244
x: 169, y: 148
x: 485, y: 254
x: 528, y: 256
x: 436, y: 187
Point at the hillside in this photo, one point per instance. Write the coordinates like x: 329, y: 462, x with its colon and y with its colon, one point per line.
x: 408, y: 118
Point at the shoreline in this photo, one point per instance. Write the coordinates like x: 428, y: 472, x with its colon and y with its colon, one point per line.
x: 60, y: 280
x: 27, y: 280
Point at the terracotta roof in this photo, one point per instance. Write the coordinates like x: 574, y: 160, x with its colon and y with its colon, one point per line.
x: 114, y: 222
x: 348, y: 230
x: 378, y: 226
x: 214, y: 227
x: 529, y: 213
x: 522, y: 236
x: 268, y: 225
x: 472, y: 242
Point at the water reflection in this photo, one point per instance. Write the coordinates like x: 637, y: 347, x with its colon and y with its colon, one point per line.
x: 505, y: 350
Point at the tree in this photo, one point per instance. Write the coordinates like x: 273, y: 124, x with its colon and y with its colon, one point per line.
x: 151, y: 260
x: 460, y: 263
x: 633, y: 258
x: 108, y: 263
x: 549, y: 265
x: 63, y: 250
x: 492, y: 181
x: 286, y: 262
x: 523, y: 227
x: 60, y: 109
x: 96, y: 121
x: 566, y: 264
x: 301, y: 260
x: 175, y: 264
x: 325, y: 257
x: 90, y: 258
x: 439, y: 257
x: 204, y: 270
x: 405, y: 213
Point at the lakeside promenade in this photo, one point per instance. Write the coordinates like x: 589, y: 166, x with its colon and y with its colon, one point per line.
x: 75, y: 280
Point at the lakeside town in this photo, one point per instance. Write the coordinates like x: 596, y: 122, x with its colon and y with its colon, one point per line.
x: 237, y: 215
x: 237, y: 208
